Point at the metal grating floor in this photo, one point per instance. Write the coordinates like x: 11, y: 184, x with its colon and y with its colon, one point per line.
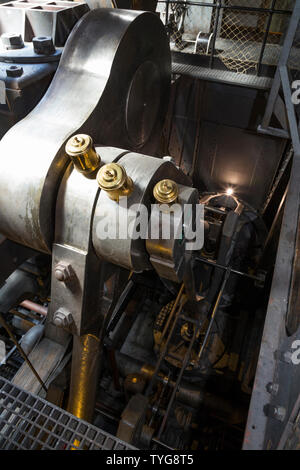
x: 28, y: 422
x: 223, y: 76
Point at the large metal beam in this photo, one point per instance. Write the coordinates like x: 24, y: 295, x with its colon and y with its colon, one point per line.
x: 285, y: 53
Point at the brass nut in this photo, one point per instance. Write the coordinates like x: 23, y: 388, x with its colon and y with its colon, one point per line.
x: 165, y: 191
x: 112, y: 179
x: 83, y: 154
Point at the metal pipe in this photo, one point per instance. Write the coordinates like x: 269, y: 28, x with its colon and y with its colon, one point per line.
x: 167, y: 11
x: 31, y: 338
x: 218, y: 10
x: 84, y: 376
x: 188, y: 353
x: 227, y: 7
x: 234, y: 271
x: 162, y: 355
x: 176, y: 386
x: 215, y: 210
x: 159, y: 443
x: 274, y: 223
x: 214, y: 312
x: 263, y: 46
x: 34, y: 307
x: 20, y: 349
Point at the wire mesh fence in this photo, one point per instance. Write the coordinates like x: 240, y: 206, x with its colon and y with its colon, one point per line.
x: 239, y: 35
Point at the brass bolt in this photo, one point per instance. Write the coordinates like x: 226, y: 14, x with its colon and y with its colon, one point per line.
x: 113, y: 179
x: 83, y: 154
x: 166, y: 191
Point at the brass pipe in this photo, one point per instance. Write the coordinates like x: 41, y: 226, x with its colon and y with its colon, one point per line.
x: 84, y: 376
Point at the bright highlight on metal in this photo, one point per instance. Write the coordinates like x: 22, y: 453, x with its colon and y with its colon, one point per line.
x: 113, y: 179
x: 83, y: 154
x: 166, y: 191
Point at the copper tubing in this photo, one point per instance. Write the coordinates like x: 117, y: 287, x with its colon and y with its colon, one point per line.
x: 84, y: 376
x: 34, y: 307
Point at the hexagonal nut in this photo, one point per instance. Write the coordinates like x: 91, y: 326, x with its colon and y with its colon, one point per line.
x: 43, y: 45
x: 62, y: 318
x: 63, y: 272
x: 14, y: 71
x: 287, y: 357
x: 273, y: 388
x: 12, y: 41
x: 279, y: 413
x: 276, y: 412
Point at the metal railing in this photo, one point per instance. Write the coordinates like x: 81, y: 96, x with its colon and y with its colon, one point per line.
x: 243, y: 35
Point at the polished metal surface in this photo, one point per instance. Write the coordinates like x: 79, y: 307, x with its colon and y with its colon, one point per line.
x: 124, y: 250
x: 75, y: 208
x: 165, y: 191
x: 82, y: 152
x: 112, y: 179
x: 84, y: 379
x: 168, y: 255
x: 97, y: 89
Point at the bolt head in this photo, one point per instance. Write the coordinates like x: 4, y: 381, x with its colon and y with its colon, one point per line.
x: 58, y: 320
x: 273, y: 388
x: 111, y: 176
x: 78, y: 145
x: 43, y: 45
x: 279, y: 413
x: 14, y: 71
x: 12, y: 41
x: 276, y: 412
x: 62, y: 318
x: 165, y: 191
x: 63, y: 272
x: 60, y: 275
x: 81, y: 149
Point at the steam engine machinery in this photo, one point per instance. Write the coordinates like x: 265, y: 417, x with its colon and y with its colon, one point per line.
x: 150, y: 341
